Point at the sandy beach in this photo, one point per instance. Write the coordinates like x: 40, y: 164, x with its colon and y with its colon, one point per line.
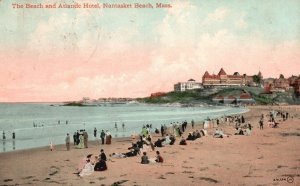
x: 267, y: 157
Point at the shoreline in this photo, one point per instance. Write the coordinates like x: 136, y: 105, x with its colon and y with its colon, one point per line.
x: 10, y: 142
x: 251, y: 159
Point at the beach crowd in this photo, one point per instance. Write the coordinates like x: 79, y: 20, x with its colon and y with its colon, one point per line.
x: 144, y: 142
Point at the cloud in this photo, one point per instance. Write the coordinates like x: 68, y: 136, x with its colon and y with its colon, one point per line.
x: 241, y: 23
x: 218, y: 15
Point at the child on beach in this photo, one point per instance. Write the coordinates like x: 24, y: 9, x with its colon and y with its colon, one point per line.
x: 145, y: 159
x: 51, y: 146
x: 159, y: 158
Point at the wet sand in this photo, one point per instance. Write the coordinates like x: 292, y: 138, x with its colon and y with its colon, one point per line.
x: 267, y: 157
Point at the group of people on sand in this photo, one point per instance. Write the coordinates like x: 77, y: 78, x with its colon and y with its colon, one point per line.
x: 196, y: 134
x: 88, y: 165
x: 144, y: 142
x: 80, y: 139
x: 146, y: 160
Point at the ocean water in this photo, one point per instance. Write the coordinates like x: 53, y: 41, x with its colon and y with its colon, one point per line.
x: 54, y: 122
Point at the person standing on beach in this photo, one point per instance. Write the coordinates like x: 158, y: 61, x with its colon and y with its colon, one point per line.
x: 108, y: 137
x: 95, y: 132
x: 193, y: 124
x: 74, y: 138
x: 68, y: 142
x: 123, y: 126
x: 85, y: 136
x: 13, y: 135
x: 102, y: 136
x: 162, y: 130
x: 261, y: 124
x: 51, y: 146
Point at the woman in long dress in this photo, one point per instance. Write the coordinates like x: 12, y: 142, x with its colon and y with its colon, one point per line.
x: 81, y: 142
x: 108, y: 138
x: 88, y: 169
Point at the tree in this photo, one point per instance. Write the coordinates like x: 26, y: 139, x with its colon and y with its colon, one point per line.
x: 281, y: 76
x: 256, y: 79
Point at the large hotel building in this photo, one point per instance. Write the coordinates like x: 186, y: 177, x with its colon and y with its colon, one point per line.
x: 223, y: 79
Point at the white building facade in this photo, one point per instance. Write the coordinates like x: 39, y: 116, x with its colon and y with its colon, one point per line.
x: 189, y: 85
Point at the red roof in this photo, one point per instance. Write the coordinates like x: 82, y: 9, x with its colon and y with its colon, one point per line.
x: 245, y: 96
x: 231, y: 97
x: 206, y: 74
x: 158, y: 94
x: 222, y: 72
x: 219, y: 97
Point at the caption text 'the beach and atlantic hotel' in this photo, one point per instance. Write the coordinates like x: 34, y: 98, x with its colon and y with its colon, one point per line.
x: 89, y: 5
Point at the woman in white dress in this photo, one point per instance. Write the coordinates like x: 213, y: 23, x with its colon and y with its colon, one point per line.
x: 88, y: 169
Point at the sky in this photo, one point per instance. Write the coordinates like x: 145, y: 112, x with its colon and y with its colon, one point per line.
x: 66, y: 54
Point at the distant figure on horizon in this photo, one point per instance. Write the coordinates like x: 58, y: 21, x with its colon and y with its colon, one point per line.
x: 95, y: 132
x: 116, y: 126
x: 67, y: 122
x: 3, y: 135
x: 68, y: 142
x: 13, y: 135
x: 123, y: 126
x: 58, y: 122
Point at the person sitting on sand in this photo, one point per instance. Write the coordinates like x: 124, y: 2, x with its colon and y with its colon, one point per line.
x: 182, y: 141
x: 88, y: 169
x: 159, y: 158
x: 100, y: 165
x: 102, y: 155
x: 197, y: 135
x: 167, y: 140
x: 140, y: 143
x: 247, y: 132
x: 135, y: 149
x: 156, y: 131
x: 218, y: 134
x: 190, y: 137
x: 117, y: 155
x: 239, y: 131
x: 275, y: 125
x: 145, y: 159
x: 203, y: 132
x: 158, y: 143
x: 172, y: 139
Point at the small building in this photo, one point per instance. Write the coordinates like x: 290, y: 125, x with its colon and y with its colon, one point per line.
x: 276, y: 85
x: 189, y: 85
